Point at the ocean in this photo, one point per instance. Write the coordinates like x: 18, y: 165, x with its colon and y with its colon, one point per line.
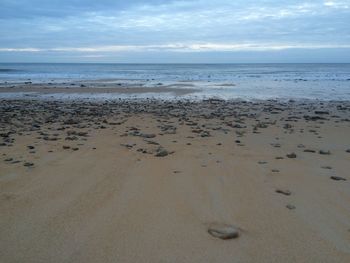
x: 226, y: 81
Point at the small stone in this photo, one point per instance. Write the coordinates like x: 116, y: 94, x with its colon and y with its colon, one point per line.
x: 309, y: 151
x: 284, y: 192
x: 275, y: 171
x: 292, y: 155
x: 66, y: 147
x: 223, y: 231
x: 324, y: 152
x: 28, y: 164
x: 162, y: 153
x: 338, y: 178
x: 348, y: 150
x: 290, y: 207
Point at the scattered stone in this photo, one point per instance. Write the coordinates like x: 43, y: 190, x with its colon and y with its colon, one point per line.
x: 292, y: 155
x: 309, y: 151
x: 161, y: 153
x: 319, y: 112
x: 224, y: 231
x: 284, y: 192
x: 290, y: 207
x: 28, y: 164
x: 338, y: 178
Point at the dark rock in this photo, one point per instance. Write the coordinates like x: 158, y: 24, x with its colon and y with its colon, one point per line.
x: 162, y: 153
x: 284, y: 192
x: 319, y: 112
x: 290, y: 207
x: 324, y: 152
x: 292, y: 155
x: 338, y: 178
x: 309, y: 151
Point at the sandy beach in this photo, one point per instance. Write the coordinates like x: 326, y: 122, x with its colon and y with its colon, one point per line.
x: 143, y: 181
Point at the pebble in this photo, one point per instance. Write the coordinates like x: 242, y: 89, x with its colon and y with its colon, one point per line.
x: 161, y: 153
x: 223, y: 231
x: 292, y: 155
x: 290, y: 207
x: 309, y: 151
x: 284, y: 192
x: 338, y: 178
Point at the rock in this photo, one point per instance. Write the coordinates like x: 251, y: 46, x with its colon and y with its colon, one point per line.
x: 338, y: 178
x: 28, y: 164
x: 292, y: 155
x: 162, y: 153
x: 223, y: 231
x: 275, y: 171
x: 284, y: 192
x: 319, y: 112
x: 66, y: 147
x: 324, y: 152
x: 309, y: 151
x: 148, y: 136
x: 290, y: 207
x: 348, y: 150
x: 128, y: 145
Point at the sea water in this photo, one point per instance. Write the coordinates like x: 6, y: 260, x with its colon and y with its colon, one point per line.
x: 226, y: 81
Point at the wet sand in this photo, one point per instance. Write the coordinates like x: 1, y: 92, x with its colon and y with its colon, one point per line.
x: 143, y: 181
x: 96, y: 87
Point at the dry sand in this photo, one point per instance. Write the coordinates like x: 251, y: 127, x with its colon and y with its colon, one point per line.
x: 114, y: 200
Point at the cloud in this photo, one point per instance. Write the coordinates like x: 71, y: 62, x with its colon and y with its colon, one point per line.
x: 189, y: 26
x: 179, y: 47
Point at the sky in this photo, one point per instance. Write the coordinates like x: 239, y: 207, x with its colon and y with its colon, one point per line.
x: 175, y: 31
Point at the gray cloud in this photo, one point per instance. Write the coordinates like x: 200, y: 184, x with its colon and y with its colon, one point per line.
x: 39, y: 26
